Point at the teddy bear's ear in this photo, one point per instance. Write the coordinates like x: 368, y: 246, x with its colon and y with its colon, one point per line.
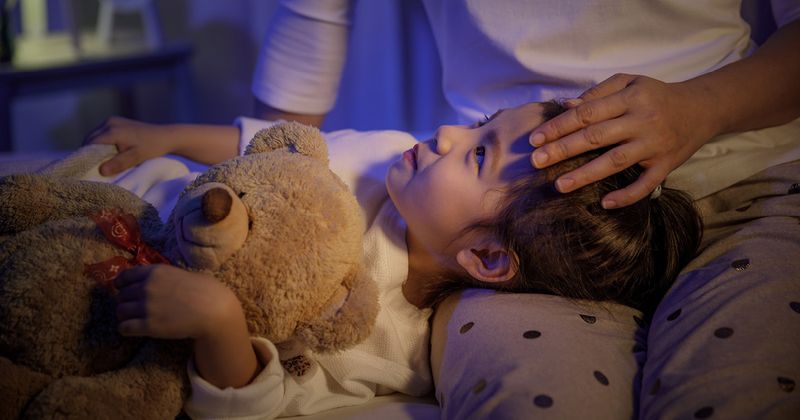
x: 292, y: 136
x: 348, y: 317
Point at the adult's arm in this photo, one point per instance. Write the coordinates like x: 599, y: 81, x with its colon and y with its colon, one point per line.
x: 660, y: 125
x: 301, y: 60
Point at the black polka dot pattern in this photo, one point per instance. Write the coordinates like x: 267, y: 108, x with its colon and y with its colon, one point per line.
x: 601, y: 377
x: 741, y: 265
x: 656, y: 387
x: 531, y: 334
x: 704, y: 413
x: 480, y: 386
x: 673, y: 316
x: 795, y: 306
x: 794, y: 189
x: 786, y: 384
x: 724, y: 332
x: 543, y: 401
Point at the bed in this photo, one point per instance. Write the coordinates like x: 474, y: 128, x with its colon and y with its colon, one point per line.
x: 724, y: 342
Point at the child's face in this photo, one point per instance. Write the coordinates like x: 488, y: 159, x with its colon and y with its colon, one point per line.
x: 445, y: 184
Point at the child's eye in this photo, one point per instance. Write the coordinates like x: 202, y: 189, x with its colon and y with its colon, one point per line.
x: 480, y: 152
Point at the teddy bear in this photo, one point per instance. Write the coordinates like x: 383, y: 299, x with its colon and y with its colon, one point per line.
x: 275, y: 225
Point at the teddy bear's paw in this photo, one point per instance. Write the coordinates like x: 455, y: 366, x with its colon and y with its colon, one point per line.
x: 80, y: 163
x: 348, y: 319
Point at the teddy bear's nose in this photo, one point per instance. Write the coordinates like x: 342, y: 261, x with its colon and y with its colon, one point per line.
x: 216, y: 204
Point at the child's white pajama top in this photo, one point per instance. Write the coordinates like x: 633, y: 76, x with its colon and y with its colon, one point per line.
x: 394, y: 358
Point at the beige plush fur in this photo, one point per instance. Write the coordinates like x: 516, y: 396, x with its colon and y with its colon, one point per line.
x: 276, y: 226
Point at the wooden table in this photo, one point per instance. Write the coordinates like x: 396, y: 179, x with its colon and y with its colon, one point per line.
x: 57, y: 68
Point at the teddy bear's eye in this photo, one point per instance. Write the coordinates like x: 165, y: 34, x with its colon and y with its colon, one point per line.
x: 242, y: 194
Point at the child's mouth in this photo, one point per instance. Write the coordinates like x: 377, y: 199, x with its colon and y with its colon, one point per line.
x: 411, y: 156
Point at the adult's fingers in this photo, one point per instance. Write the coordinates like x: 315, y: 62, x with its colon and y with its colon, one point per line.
x: 133, y: 327
x: 595, y: 136
x: 607, y: 87
x: 574, y: 119
x: 641, y: 188
x: 603, y: 166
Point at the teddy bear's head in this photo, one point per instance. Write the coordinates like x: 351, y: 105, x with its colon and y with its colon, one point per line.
x: 285, y: 234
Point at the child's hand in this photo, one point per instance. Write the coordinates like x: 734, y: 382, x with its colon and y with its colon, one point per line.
x: 162, y: 301
x: 135, y: 141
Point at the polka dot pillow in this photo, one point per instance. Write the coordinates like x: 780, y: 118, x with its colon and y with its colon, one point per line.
x: 498, y: 355
x: 723, y: 343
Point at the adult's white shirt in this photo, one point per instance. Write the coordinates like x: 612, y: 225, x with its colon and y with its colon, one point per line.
x: 502, y: 53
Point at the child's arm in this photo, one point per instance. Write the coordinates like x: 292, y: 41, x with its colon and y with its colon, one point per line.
x: 167, y: 302
x: 137, y: 142
x: 226, y: 376
x: 224, y: 356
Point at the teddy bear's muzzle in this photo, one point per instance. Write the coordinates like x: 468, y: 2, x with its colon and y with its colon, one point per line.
x: 212, y: 225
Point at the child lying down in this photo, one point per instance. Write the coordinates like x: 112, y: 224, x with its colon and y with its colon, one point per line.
x: 463, y: 209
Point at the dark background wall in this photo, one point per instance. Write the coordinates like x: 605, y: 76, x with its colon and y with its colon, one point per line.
x: 391, y: 79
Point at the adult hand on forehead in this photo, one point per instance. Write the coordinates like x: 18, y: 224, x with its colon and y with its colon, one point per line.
x: 645, y: 121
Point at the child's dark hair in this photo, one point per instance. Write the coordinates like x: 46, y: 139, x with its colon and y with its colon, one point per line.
x: 568, y: 245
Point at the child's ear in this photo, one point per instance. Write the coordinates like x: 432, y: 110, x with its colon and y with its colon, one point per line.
x: 488, y: 262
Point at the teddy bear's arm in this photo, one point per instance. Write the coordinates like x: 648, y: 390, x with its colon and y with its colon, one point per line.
x: 152, y: 386
x: 18, y: 385
x: 28, y: 200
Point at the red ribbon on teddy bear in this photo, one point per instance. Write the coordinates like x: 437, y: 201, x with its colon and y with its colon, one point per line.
x: 122, y: 230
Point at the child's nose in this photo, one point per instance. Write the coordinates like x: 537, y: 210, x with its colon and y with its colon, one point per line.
x: 445, y: 136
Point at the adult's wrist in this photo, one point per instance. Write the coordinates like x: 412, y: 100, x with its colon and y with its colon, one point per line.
x: 709, y: 114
